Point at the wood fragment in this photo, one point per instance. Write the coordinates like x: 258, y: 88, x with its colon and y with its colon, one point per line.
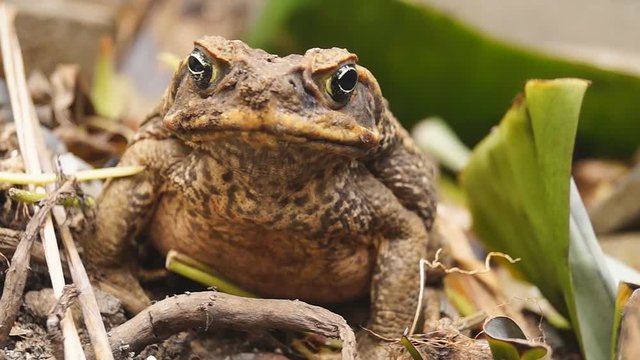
x: 16, y: 276
x: 209, y: 309
x: 54, y: 332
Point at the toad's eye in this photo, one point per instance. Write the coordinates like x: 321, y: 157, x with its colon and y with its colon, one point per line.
x: 203, y: 72
x: 342, y: 83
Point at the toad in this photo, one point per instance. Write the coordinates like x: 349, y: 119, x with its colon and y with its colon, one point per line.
x: 287, y: 175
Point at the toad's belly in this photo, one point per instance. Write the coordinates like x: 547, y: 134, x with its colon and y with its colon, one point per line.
x: 285, y: 264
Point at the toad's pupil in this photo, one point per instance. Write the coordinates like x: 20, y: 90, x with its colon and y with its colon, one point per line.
x: 342, y: 83
x: 347, y: 79
x: 195, y: 65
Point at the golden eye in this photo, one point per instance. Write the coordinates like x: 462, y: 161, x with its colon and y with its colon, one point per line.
x: 203, y: 71
x: 342, y: 83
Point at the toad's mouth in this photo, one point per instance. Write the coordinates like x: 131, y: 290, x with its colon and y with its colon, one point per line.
x: 273, y: 128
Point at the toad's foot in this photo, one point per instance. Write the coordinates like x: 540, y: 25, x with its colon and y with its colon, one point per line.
x: 372, y: 348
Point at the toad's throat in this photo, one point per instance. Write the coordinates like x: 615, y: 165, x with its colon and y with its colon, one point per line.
x: 277, y: 127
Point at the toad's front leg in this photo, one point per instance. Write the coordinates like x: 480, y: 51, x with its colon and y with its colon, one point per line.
x: 124, y: 209
x: 396, y: 280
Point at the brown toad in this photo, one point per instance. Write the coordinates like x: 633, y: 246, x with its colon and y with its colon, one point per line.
x: 287, y: 175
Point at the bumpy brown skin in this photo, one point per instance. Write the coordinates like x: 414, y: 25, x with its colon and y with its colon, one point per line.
x: 276, y: 186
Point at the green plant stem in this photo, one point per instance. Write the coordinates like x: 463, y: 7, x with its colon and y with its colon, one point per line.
x: 84, y: 175
x: 196, y: 271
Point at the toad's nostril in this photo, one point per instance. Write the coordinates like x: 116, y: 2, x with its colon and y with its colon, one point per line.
x: 293, y: 83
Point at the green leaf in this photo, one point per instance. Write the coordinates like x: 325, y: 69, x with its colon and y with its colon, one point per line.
x: 523, y: 203
x: 107, y: 89
x: 431, y: 65
x: 508, y: 342
x: 593, y: 287
x: 411, y: 349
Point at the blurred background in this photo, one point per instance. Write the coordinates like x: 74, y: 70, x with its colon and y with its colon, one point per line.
x: 459, y: 60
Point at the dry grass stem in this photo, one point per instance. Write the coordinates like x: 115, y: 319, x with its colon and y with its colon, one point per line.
x: 27, y: 127
x: 86, y: 296
x: 423, y: 280
x: 83, y: 175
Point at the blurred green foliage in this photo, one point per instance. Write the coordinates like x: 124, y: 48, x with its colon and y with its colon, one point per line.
x: 429, y: 64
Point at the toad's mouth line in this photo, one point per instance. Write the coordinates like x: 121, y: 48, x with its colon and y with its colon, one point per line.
x: 268, y: 136
x: 274, y: 128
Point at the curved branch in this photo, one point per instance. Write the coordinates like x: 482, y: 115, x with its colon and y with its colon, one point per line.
x: 210, y: 309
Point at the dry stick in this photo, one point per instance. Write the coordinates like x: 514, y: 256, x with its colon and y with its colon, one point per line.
x: 24, y: 117
x: 88, y: 303
x: 16, y: 276
x: 9, y: 240
x: 209, y: 309
x: 86, y: 298
x: 54, y: 333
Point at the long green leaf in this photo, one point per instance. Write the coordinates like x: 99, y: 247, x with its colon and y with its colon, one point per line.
x: 429, y: 64
x: 593, y: 288
x: 519, y: 192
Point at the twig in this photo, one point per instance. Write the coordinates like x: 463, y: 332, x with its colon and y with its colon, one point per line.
x: 16, y: 277
x: 69, y: 293
x: 487, y: 263
x: 9, y: 240
x: 208, y: 309
x: 26, y: 127
x: 437, y: 264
